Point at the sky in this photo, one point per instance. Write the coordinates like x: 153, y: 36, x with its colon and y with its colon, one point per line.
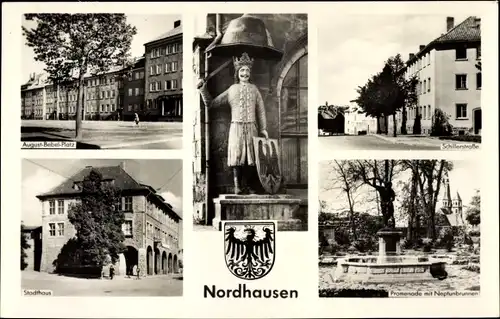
x: 460, y: 181
x: 148, y: 27
x: 351, y: 48
x: 42, y: 175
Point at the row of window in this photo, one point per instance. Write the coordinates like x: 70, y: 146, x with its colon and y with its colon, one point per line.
x: 136, y: 107
x: 461, y: 81
x: 424, y: 87
x: 127, y: 201
x: 169, y: 49
x: 169, y: 67
x: 103, y: 95
x: 136, y: 75
x: 100, y: 81
x: 169, y: 85
x: 137, y: 91
x: 426, y: 113
x: 56, y: 228
x: 461, y: 53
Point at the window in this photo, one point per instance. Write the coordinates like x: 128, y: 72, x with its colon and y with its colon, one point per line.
x: 479, y: 80
x: 168, y: 85
x: 107, y: 107
x: 179, y: 47
x: 428, y: 84
x: 60, y: 229
x: 52, y: 207
x: 158, y: 69
x: 461, y: 111
x: 461, y: 53
x: 136, y: 91
x: 425, y: 86
x: 130, y: 107
x: 112, y: 93
x: 127, y: 228
x: 174, y: 66
x: 60, y: 207
x: 478, y: 53
x: 461, y: 81
x: 112, y: 107
x: 135, y: 107
x: 169, y: 49
x: 429, y: 113
x: 52, y: 229
x: 424, y: 115
x: 174, y: 84
x: 151, y: 70
x: 167, y: 68
x: 142, y: 75
x: 136, y: 75
x: 128, y: 204
x: 293, y: 126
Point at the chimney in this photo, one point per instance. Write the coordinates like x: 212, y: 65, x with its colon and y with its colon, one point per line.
x: 122, y: 165
x: 421, y: 47
x: 412, y: 55
x: 450, y: 23
x: 177, y: 23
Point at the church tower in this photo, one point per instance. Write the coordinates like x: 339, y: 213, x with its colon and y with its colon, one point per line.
x: 447, y: 202
x: 457, y: 209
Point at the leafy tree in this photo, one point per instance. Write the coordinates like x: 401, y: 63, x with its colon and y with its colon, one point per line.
x: 440, y: 124
x: 98, y: 225
x: 368, y: 102
x: 474, y: 210
x: 24, y: 245
x: 72, y: 45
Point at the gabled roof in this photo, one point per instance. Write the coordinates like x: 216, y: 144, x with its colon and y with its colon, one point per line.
x: 175, y: 31
x: 468, y: 30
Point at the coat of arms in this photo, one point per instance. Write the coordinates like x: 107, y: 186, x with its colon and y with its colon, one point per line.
x: 249, y: 248
x: 267, y: 157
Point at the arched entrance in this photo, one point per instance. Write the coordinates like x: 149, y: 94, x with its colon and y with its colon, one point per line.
x: 157, y: 261
x: 170, y: 261
x: 149, y: 260
x: 176, y: 270
x: 131, y: 259
x: 164, y: 266
x: 477, y: 119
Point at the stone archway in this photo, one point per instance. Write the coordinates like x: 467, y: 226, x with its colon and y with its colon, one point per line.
x: 164, y: 265
x: 149, y: 260
x: 170, y: 263
x: 176, y: 268
x: 157, y: 262
x: 477, y: 120
x: 131, y: 260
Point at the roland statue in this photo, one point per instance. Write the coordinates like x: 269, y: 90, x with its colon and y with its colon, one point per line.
x: 248, y: 119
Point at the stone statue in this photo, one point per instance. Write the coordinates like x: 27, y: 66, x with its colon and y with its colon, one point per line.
x: 248, y: 119
x: 387, y: 197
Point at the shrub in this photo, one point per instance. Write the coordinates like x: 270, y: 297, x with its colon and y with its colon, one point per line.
x: 446, y: 238
x: 475, y: 233
x: 440, y: 124
x: 364, y: 244
x: 334, y: 248
x: 463, y: 138
x: 342, y: 237
x: 473, y: 268
x: 427, y: 245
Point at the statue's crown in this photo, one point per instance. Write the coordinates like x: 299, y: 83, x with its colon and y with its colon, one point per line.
x: 245, y: 60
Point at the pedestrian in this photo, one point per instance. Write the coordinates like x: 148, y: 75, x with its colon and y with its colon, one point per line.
x: 138, y: 273
x: 111, y: 272
x: 136, y: 119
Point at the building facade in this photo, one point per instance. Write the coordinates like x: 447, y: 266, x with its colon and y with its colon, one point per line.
x: 133, y: 91
x: 448, y: 79
x: 163, y: 76
x: 356, y: 122
x: 33, y: 235
x: 152, y: 229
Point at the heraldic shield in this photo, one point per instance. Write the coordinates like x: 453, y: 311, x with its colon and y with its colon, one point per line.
x: 249, y: 248
x: 267, y: 157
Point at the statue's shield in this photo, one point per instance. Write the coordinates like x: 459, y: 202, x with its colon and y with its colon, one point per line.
x: 267, y: 159
x: 249, y: 248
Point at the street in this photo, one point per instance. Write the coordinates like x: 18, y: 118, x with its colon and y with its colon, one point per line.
x: 367, y: 142
x: 107, y: 134
x: 162, y: 285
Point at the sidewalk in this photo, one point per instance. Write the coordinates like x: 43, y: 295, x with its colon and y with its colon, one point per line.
x: 418, y: 140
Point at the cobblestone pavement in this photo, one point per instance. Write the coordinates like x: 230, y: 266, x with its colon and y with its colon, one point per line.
x: 162, y: 285
x: 107, y: 134
x: 458, y: 279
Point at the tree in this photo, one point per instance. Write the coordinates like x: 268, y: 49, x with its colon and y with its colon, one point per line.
x: 368, y: 102
x: 24, y: 245
x: 97, y: 223
x: 72, y: 45
x: 378, y: 175
x: 474, y: 210
x: 417, y: 124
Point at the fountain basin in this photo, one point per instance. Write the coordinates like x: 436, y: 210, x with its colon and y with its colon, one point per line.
x: 388, y: 269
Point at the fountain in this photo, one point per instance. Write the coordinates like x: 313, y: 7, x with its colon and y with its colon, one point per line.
x: 389, y: 265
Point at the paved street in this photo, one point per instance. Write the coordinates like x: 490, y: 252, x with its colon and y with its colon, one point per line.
x: 367, y: 142
x: 163, y: 285
x: 107, y: 134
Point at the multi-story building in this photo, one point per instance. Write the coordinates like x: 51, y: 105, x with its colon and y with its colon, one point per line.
x: 102, y: 98
x: 133, y: 90
x: 356, y: 122
x: 448, y: 78
x: 163, y: 76
x: 152, y: 229
x: 33, y: 97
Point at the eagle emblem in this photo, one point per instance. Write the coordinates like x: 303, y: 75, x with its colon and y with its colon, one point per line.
x: 268, y: 163
x: 249, y: 248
